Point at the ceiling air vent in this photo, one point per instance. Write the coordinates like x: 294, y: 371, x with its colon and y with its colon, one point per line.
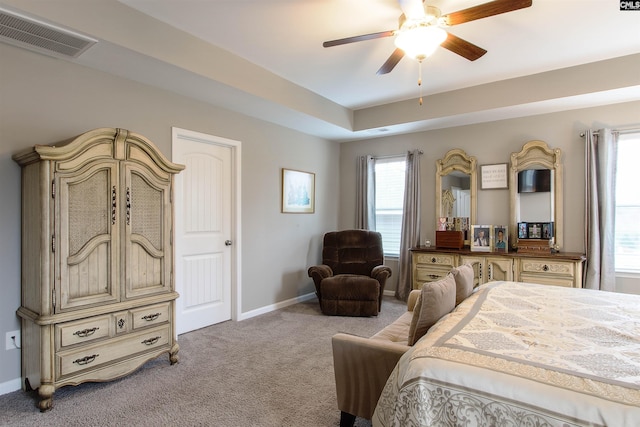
x: 31, y: 34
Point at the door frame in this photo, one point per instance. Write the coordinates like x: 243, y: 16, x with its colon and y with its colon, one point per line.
x: 236, y: 199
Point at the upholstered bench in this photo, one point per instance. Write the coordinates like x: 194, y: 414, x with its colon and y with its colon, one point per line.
x: 363, y: 365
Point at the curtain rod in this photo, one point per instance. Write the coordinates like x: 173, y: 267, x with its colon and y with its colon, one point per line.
x: 393, y: 155
x: 622, y: 131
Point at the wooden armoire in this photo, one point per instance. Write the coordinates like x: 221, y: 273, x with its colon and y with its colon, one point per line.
x: 98, y: 298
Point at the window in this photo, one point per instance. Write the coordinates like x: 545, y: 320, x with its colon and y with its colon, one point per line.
x: 389, y: 202
x: 627, y: 254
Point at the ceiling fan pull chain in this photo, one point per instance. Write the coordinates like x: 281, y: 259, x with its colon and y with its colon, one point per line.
x: 420, y: 79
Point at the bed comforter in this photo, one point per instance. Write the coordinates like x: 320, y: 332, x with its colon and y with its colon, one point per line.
x: 522, y: 354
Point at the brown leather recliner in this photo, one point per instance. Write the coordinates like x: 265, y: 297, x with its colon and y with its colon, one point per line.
x: 351, y: 279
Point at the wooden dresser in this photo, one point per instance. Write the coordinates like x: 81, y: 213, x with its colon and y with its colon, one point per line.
x: 559, y: 269
x: 98, y: 297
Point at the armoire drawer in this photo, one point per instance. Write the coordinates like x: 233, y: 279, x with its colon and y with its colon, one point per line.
x: 83, y: 331
x: 150, y: 315
x: 89, y: 357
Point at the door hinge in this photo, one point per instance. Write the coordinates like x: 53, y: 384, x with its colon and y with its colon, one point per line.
x: 53, y: 298
x: 53, y: 189
x: 53, y: 243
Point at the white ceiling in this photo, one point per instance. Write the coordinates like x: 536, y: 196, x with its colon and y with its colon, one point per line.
x: 265, y: 58
x: 285, y: 37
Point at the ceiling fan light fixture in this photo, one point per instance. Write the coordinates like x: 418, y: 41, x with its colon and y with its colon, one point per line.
x: 420, y: 41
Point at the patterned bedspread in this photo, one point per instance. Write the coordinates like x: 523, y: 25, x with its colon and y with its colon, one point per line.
x: 522, y: 354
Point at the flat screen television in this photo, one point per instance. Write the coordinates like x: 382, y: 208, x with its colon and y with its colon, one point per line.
x: 534, y: 181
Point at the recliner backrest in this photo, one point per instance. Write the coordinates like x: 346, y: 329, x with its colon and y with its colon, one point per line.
x: 352, y: 251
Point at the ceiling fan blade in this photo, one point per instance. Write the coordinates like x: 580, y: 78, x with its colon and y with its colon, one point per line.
x: 354, y: 39
x: 391, y: 62
x: 462, y: 47
x: 485, y: 10
x: 412, y: 9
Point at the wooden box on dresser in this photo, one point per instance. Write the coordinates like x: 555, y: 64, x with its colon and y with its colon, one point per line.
x: 98, y: 298
x: 560, y: 269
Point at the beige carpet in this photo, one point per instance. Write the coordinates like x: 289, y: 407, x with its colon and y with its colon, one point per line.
x: 271, y: 370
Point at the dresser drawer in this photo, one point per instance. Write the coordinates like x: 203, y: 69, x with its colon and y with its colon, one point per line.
x: 543, y: 267
x: 445, y: 260
x: 430, y: 274
x: 151, y: 315
x: 567, y: 282
x: 89, y: 357
x: 82, y: 331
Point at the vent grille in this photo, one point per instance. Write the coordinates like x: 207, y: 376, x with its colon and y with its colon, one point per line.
x: 29, y: 33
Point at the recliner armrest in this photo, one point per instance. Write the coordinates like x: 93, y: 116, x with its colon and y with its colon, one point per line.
x: 381, y: 273
x: 319, y: 272
x: 362, y: 367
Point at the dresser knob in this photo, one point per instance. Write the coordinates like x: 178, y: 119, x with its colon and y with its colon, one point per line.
x: 545, y: 267
x: 433, y: 260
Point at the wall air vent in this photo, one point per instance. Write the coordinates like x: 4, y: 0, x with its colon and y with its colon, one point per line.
x: 32, y: 34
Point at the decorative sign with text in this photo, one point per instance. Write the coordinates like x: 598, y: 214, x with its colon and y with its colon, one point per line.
x: 494, y: 176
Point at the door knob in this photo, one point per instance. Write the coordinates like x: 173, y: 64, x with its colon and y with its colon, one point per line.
x: 227, y: 242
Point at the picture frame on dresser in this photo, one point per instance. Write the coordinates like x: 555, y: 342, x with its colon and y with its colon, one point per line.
x: 481, y: 238
x: 501, y: 238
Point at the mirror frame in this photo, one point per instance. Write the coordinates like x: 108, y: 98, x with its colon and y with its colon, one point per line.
x: 457, y: 160
x: 537, y: 153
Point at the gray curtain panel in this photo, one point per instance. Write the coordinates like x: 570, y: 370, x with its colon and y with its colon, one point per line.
x: 410, y: 235
x: 600, y: 155
x: 365, y: 193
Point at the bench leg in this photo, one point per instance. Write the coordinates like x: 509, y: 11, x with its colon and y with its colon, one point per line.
x: 346, y: 419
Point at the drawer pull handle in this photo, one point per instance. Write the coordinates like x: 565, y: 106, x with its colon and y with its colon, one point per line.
x: 150, y: 341
x: 433, y: 260
x: 151, y: 317
x: 86, y: 332
x: 86, y: 360
x: 545, y: 267
x: 434, y: 276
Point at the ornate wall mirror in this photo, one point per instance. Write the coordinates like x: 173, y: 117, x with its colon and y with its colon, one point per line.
x: 536, y: 190
x: 456, y: 186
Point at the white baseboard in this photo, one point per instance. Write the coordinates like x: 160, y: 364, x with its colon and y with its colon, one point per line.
x: 10, y: 386
x: 277, y: 306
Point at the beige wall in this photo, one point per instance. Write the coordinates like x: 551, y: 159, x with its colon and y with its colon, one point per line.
x: 493, y: 143
x: 45, y: 100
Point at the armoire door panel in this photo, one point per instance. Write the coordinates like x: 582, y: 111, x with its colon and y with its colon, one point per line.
x: 147, y: 231
x: 87, y: 235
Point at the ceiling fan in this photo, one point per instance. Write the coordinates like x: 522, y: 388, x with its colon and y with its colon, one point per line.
x: 421, y: 30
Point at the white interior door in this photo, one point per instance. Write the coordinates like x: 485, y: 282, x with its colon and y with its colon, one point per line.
x: 203, y: 231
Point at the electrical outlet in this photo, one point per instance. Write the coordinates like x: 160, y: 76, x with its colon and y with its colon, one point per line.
x: 12, y: 343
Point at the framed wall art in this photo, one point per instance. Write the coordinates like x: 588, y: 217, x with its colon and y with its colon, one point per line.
x: 482, y: 236
x: 298, y: 191
x: 494, y: 177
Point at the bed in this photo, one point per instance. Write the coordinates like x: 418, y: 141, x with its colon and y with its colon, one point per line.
x: 522, y: 354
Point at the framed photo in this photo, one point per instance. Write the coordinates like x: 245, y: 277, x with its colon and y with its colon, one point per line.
x: 494, y: 177
x: 298, y: 191
x: 501, y: 238
x: 481, y: 235
x: 523, y: 232
x: 547, y: 230
x: 534, y: 230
